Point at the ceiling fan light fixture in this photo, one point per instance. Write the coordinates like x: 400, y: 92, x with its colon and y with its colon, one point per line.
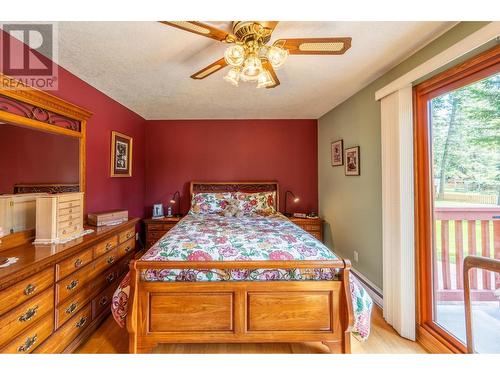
x: 277, y: 56
x: 251, y: 68
x: 233, y: 76
x: 265, y: 79
x: 235, y: 55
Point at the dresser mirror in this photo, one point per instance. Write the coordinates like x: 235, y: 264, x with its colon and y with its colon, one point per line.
x: 30, y: 157
x: 42, y: 151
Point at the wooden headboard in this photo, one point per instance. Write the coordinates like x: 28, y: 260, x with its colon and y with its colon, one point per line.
x: 231, y: 186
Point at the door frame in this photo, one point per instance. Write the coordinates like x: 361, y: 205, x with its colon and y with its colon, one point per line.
x: 430, y: 334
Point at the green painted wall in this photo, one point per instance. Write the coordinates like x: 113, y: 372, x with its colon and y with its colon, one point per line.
x: 352, y: 206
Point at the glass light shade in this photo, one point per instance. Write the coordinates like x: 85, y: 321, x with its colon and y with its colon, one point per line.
x: 235, y: 55
x: 233, y: 76
x: 265, y: 79
x: 251, y: 68
x: 277, y: 56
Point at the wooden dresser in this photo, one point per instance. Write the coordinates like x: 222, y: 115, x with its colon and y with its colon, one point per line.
x: 55, y: 296
x: 156, y: 228
x: 311, y: 225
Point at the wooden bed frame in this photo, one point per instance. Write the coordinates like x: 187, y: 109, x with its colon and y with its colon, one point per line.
x: 239, y: 311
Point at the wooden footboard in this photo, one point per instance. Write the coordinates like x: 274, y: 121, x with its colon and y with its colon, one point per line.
x: 240, y: 311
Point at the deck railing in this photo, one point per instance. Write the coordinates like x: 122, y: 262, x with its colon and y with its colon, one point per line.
x: 460, y: 232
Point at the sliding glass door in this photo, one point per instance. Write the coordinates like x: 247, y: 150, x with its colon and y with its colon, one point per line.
x: 458, y: 195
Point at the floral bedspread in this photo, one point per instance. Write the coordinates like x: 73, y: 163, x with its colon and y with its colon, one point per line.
x: 215, y: 237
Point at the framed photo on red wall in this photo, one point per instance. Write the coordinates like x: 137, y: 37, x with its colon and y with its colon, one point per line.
x: 121, y: 155
x: 337, y: 153
x: 352, y: 167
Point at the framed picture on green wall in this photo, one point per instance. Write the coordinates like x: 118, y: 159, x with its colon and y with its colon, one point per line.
x: 337, y: 153
x: 352, y: 167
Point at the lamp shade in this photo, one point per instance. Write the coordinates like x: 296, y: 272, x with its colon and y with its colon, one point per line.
x: 277, y: 56
x: 233, y: 76
x: 235, y: 55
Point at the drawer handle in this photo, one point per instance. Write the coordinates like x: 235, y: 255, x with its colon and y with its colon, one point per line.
x: 30, y: 313
x: 81, y: 322
x: 70, y: 210
x: 64, y: 231
x: 128, y: 248
x: 109, y: 245
x: 72, y: 285
x: 28, y: 344
x: 103, y: 301
x: 30, y: 289
x: 110, y: 278
x: 111, y: 260
x: 78, y: 263
x: 72, y: 308
x: 129, y: 234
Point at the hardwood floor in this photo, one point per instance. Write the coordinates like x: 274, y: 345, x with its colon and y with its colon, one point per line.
x: 109, y: 338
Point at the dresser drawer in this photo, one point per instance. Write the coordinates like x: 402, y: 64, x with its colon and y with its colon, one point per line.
x: 25, y: 315
x: 105, y: 246
x: 126, y: 247
x: 71, y: 306
x: 24, y: 290
x: 68, y: 198
x: 63, y: 219
x: 69, y: 211
x: 102, y: 301
x: 68, y: 204
x: 31, y: 337
x: 73, y: 283
x: 67, y: 333
x: 106, y: 278
x: 124, y: 266
x: 311, y: 227
x: 155, y: 235
x: 161, y: 227
x: 73, y: 263
x: 69, y: 223
x: 126, y: 235
x: 104, y: 262
x: 317, y: 235
x: 68, y: 231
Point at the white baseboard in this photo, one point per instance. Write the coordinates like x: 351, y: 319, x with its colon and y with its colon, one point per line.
x: 373, y: 291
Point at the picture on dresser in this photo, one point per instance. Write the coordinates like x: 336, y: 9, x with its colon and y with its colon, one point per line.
x: 337, y: 153
x: 352, y: 161
x: 121, y: 155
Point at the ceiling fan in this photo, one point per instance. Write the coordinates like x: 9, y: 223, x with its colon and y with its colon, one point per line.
x: 250, y: 57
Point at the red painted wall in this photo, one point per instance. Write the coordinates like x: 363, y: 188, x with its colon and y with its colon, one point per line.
x: 102, y: 191
x: 182, y: 151
x: 30, y: 156
x: 232, y: 150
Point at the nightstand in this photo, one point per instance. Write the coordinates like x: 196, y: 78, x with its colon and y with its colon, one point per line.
x: 156, y: 228
x: 311, y: 225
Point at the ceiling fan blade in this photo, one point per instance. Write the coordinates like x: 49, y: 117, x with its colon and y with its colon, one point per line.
x: 315, y: 46
x: 267, y: 65
x: 203, y: 29
x: 212, y: 68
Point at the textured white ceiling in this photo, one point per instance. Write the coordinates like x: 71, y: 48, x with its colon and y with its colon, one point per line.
x: 146, y: 66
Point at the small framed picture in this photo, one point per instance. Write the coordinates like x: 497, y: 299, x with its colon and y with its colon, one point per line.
x: 121, y: 155
x: 158, y: 210
x: 352, y: 167
x: 337, y: 153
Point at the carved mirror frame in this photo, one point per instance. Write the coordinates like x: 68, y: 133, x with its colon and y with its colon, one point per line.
x: 32, y: 108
